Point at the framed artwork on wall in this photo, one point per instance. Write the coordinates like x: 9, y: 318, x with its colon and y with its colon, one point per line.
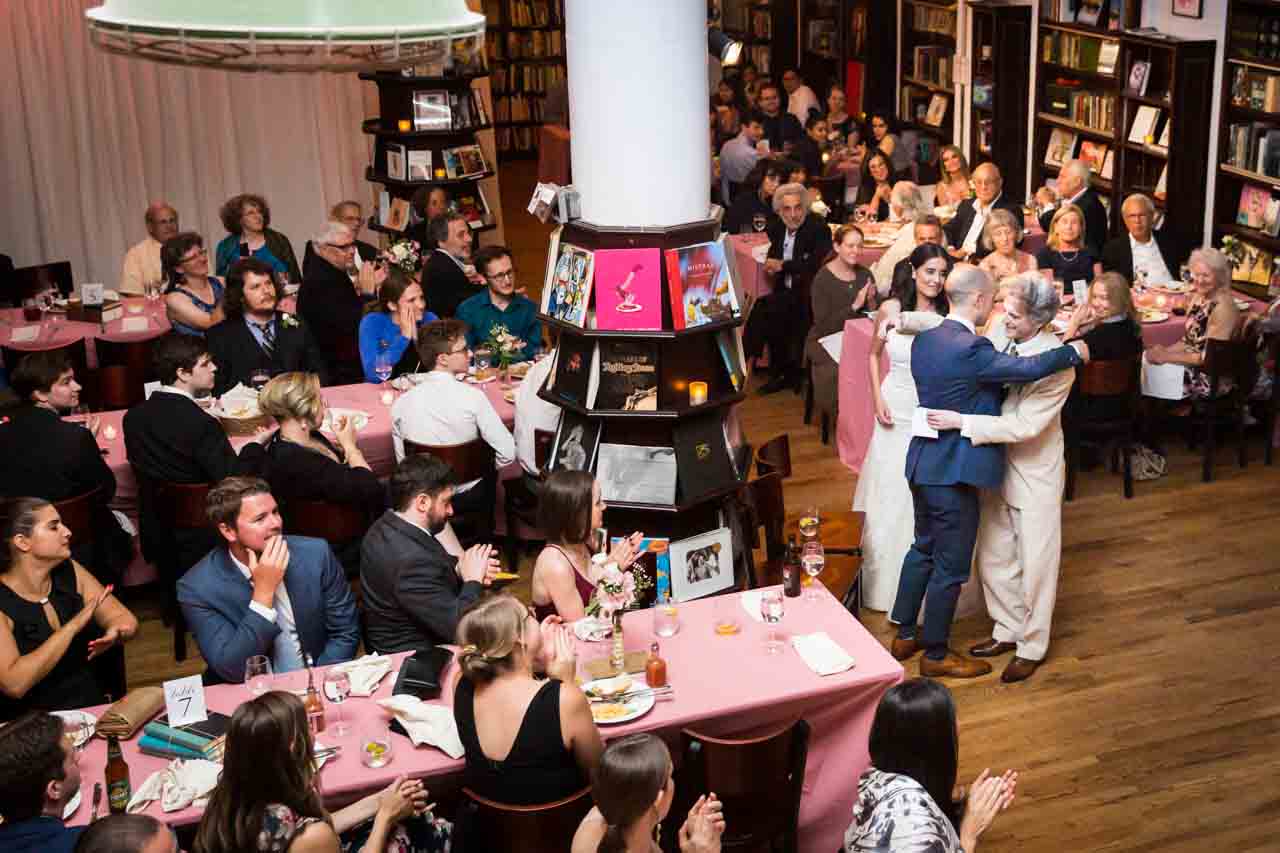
x: 1188, y: 8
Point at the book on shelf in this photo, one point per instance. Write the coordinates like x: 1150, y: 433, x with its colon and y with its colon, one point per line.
x: 1139, y: 75
x: 1090, y: 12
x: 1062, y: 145
x: 398, y: 218
x: 729, y: 344
x: 384, y: 207
x: 473, y: 206
x: 1160, y: 191
x: 566, y: 293
x: 1163, y: 141
x: 984, y: 135
x: 628, y: 375
x: 464, y: 161
x: 1255, y: 89
x: 931, y: 19
x: 396, y: 162
x: 1108, y: 165
x: 628, y: 286
x: 575, y: 365
x: 1252, y: 209
x: 1094, y: 154
x: 1108, y: 54
x: 1254, y: 147
x: 1057, y: 96
x: 933, y: 64
x: 1254, y: 265
x: 700, y: 281
x: 576, y: 444
x: 983, y: 92
x: 1080, y: 52
x: 431, y: 110
x: 937, y: 110
x: 1271, y: 219
x: 419, y: 164
x: 636, y: 473
x: 703, y: 453
x: 1144, y: 124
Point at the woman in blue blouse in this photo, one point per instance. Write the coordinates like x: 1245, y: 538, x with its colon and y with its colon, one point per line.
x: 247, y: 217
x: 193, y: 298
x: 391, y: 325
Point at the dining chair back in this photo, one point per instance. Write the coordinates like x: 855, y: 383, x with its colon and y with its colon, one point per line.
x: 77, y: 514
x: 124, y: 369
x: 775, y: 455
x: 520, y: 499
x: 547, y: 828
x: 473, y: 460
x: 1112, y: 386
x: 180, y: 506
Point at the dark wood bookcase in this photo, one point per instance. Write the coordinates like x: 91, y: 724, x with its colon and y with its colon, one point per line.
x: 1000, y: 53
x: 928, y: 73
x: 852, y: 43
x: 767, y: 30
x: 1251, y: 57
x: 524, y: 40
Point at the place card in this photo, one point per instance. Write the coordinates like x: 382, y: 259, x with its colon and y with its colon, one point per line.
x: 92, y: 294
x: 25, y: 333
x: 134, y: 324
x: 184, y: 701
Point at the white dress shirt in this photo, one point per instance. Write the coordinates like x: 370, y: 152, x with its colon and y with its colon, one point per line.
x: 141, y: 264
x: 286, y: 652
x: 1147, y: 256
x: 788, y: 253
x: 533, y: 413
x: 441, y: 410
x: 801, y: 101
x: 980, y: 215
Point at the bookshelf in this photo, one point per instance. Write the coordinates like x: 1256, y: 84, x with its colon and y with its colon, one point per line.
x: 926, y: 92
x: 822, y: 44
x: 1000, y: 53
x: 1247, y: 176
x: 767, y: 30
x: 524, y: 40
x: 852, y: 43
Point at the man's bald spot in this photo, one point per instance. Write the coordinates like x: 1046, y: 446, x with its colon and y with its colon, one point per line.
x: 966, y: 282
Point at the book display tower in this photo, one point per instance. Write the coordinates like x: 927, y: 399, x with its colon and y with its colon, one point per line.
x: 426, y: 135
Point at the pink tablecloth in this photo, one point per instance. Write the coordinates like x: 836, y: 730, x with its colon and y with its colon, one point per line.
x: 374, y: 441
x: 55, y: 334
x: 553, y: 155
x: 722, y: 685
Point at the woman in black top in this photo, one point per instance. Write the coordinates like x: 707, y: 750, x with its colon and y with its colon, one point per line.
x: 756, y: 199
x: 54, y: 616
x: 1109, y: 325
x: 1065, y: 256
x: 876, y: 186
x: 527, y: 741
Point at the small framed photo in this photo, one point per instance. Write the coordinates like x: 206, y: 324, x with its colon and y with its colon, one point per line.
x: 1139, y: 73
x: 1188, y: 8
x: 702, y: 565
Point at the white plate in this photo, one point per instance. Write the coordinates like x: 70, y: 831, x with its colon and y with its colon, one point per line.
x: 71, y: 806
x: 592, y: 630
x: 473, y: 381
x: 637, y: 706
x: 1153, y: 316
x: 79, y: 718
x: 361, y: 419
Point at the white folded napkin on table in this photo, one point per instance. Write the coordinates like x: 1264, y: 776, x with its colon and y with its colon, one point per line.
x: 365, y: 673
x: 24, y: 333
x: 821, y: 653
x: 426, y: 723
x: 134, y: 324
x: 760, y: 253
x: 178, y: 785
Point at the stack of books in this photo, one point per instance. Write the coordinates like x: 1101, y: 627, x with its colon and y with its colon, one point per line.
x: 195, y: 740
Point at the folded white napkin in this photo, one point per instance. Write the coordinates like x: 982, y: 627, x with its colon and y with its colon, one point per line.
x: 134, y: 324
x: 177, y: 786
x: 365, y: 673
x: 241, y: 401
x: 751, y: 603
x: 24, y: 333
x: 760, y: 253
x: 426, y: 723
x: 821, y: 653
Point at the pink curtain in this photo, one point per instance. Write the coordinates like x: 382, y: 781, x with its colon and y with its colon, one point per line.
x: 87, y: 139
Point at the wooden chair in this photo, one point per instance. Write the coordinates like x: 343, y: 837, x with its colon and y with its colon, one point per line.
x: 759, y: 779
x: 180, y: 506
x: 473, y: 460
x: 1235, y: 360
x: 1272, y: 403
x: 1118, y: 381
x: 548, y: 828
x: 124, y: 369
x: 775, y: 455
x: 765, y: 508
x: 77, y: 514
x: 520, y: 502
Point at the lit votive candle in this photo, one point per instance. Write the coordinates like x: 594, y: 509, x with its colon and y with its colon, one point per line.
x: 388, y: 397
x: 109, y: 433
x: 404, y: 125
x: 1161, y: 301
x: 439, y: 173
x: 697, y: 393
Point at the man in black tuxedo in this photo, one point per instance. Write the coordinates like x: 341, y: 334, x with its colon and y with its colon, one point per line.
x: 964, y: 232
x: 1154, y: 251
x: 414, y: 590
x: 169, y: 438
x: 43, y: 456
x: 333, y: 297
x: 799, y: 242
x: 255, y: 336
x: 1073, y: 188
x: 446, y: 283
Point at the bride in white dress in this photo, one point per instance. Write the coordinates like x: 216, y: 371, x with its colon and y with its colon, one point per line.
x: 882, y: 492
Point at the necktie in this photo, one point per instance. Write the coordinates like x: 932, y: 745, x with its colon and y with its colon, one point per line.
x: 268, y: 339
x: 1012, y: 348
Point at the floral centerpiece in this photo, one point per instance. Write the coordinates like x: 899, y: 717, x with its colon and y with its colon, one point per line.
x: 405, y: 254
x: 506, y: 346
x: 616, y: 591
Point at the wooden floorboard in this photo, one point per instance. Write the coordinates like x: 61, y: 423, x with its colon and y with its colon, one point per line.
x: 1154, y: 725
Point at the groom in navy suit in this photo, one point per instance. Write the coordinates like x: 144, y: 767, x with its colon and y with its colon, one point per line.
x: 954, y: 368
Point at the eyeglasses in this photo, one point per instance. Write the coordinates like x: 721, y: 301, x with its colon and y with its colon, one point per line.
x: 459, y: 351
x: 195, y: 256
x: 343, y: 247
x: 509, y: 274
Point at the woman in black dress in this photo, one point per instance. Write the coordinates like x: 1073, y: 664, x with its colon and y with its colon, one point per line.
x: 1065, y: 256
x: 55, y: 617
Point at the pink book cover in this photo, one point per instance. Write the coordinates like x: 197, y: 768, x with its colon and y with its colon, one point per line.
x: 628, y: 289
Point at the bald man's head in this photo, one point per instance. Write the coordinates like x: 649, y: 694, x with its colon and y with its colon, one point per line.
x: 162, y: 221
x: 971, y: 292
x: 987, y: 182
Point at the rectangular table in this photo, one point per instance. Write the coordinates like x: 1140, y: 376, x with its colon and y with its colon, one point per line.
x: 722, y: 685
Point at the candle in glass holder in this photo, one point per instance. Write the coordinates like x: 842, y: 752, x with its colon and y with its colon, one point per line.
x: 109, y: 433
x: 439, y: 173
x: 697, y: 393
x: 404, y: 125
x: 388, y: 397
x: 1161, y: 301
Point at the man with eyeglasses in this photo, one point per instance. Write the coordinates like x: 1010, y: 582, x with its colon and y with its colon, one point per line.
x: 448, y: 277
x: 500, y: 305
x: 333, y: 298
x: 142, y: 261
x: 440, y: 410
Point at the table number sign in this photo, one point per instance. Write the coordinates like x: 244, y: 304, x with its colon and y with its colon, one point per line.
x: 184, y: 701
x: 92, y: 294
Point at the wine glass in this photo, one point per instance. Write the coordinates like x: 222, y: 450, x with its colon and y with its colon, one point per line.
x: 772, y: 606
x: 759, y: 221
x: 258, y: 378
x: 860, y: 215
x: 813, y: 557
x: 1140, y: 278
x: 382, y: 366
x: 337, y: 687
x: 44, y: 301
x: 257, y: 674
x: 484, y: 357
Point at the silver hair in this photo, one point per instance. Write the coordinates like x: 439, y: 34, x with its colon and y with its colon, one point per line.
x: 1219, y: 265
x: 997, y: 218
x: 1147, y: 203
x: 1039, y: 298
x: 330, y: 232
x: 966, y: 282
x: 788, y: 189
x: 906, y: 195
x: 1079, y: 169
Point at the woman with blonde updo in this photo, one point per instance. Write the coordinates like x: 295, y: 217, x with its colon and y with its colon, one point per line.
x: 527, y: 741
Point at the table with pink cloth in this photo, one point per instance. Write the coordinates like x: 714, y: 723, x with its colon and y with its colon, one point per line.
x: 553, y: 155
x: 56, y: 331
x: 374, y: 441
x: 722, y: 685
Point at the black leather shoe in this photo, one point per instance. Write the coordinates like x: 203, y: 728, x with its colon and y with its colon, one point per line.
x: 991, y: 647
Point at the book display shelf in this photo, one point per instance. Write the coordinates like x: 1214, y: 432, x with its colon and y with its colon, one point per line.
x: 1000, y: 51
x: 767, y: 30
x: 1247, y: 183
x: 524, y: 40
x: 926, y: 96
x: 648, y: 370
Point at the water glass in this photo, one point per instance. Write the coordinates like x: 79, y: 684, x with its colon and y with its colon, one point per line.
x: 484, y: 358
x: 375, y: 748
x: 257, y: 674
x: 727, y: 622
x: 813, y: 558
x: 810, y: 521
x: 1184, y: 273
x: 337, y: 687
x: 772, y: 606
x: 666, y: 619
x: 258, y: 378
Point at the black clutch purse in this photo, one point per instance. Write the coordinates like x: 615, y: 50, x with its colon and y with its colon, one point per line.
x: 420, y: 674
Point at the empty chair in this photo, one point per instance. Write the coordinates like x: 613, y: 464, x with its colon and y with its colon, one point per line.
x: 775, y: 455
x: 181, y: 508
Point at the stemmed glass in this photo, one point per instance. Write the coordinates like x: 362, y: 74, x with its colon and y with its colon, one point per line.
x: 259, y: 378
x: 383, y: 366
x: 337, y: 687
x: 1184, y: 274
x: 813, y: 558
x: 772, y: 606
x: 257, y: 674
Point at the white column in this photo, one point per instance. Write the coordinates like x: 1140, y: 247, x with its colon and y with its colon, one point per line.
x: 638, y: 108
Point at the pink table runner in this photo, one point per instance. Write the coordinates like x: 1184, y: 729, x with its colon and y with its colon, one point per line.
x: 722, y: 685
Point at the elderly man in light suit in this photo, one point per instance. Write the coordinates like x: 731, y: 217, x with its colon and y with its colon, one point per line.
x: 1020, y: 537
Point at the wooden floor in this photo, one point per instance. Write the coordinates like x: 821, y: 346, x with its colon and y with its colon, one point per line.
x: 1154, y: 725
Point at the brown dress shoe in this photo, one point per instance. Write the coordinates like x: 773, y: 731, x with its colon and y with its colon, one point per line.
x: 991, y: 647
x: 1019, y: 669
x: 953, y: 666
x: 903, y: 649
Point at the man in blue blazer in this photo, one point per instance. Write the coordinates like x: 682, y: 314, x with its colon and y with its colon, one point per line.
x: 265, y: 593
x: 955, y: 369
